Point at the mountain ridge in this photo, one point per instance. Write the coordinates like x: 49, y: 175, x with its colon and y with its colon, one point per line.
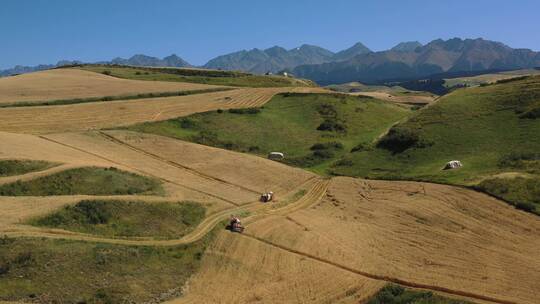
x: 437, y: 57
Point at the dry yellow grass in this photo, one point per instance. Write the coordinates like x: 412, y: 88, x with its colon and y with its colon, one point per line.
x: 98, y: 115
x: 422, y: 235
x: 74, y: 83
x: 400, y: 99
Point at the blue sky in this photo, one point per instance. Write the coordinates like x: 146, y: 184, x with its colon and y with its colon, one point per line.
x: 45, y: 31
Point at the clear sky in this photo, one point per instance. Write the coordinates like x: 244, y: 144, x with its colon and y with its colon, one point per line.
x: 45, y: 31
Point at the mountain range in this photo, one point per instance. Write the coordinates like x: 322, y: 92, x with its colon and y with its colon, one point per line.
x: 405, y: 61
x: 136, y: 60
x: 277, y: 58
x: 408, y: 61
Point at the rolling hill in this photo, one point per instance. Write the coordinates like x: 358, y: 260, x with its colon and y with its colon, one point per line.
x: 492, y: 129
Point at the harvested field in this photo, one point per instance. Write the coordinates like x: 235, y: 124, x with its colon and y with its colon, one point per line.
x: 73, y: 83
x: 237, y: 269
x: 99, y: 115
x: 219, y: 189
x: 421, y: 235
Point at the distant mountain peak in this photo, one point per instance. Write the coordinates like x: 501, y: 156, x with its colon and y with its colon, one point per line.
x: 355, y: 50
x: 407, y: 46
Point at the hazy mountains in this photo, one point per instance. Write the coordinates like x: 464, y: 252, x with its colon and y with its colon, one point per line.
x: 411, y: 60
x: 277, y: 58
x: 405, y: 61
x: 136, y: 60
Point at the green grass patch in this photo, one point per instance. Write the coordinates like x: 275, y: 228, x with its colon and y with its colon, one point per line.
x: 479, y: 126
x: 10, y: 167
x: 110, y: 98
x: 289, y: 123
x: 126, y: 218
x: 523, y: 193
x: 395, y: 294
x: 87, y: 180
x: 61, y: 271
x: 214, y: 77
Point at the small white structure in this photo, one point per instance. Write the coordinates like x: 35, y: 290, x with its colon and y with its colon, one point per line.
x: 285, y: 74
x: 276, y: 155
x: 453, y: 164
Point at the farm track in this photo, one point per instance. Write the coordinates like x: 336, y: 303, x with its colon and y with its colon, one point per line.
x: 312, y: 197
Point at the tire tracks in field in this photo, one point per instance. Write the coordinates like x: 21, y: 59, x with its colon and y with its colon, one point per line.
x: 196, y: 234
x: 380, y: 277
x: 173, y: 163
x: 138, y: 170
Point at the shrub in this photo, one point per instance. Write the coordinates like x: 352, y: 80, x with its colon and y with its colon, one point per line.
x: 527, y: 207
x: 219, y: 111
x: 531, y: 114
x: 245, y: 111
x: 332, y: 125
x: 399, y: 139
x: 187, y: 123
x: 138, y: 73
x: 327, y: 145
x: 324, y: 154
x: 327, y: 110
x: 344, y: 162
x: 106, y: 72
x: 358, y: 148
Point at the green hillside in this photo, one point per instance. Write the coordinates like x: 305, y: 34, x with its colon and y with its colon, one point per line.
x: 313, y: 130
x: 214, y: 77
x: 492, y: 130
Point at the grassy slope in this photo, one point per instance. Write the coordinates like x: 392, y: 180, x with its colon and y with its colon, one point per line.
x: 59, y: 271
x: 88, y: 180
x: 197, y: 76
x: 479, y: 126
x: 288, y: 123
x: 393, y: 294
x: 9, y: 167
x: 126, y: 218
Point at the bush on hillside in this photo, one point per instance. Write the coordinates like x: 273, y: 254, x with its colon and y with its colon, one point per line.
x: 531, y: 114
x: 359, y: 148
x: 400, y: 139
x: 188, y: 123
x: 327, y: 110
x: 332, y: 125
x: 245, y: 111
x: 327, y: 145
x: 106, y: 72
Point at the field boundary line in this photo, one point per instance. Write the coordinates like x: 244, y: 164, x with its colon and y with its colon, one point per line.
x: 140, y: 171
x: 380, y: 277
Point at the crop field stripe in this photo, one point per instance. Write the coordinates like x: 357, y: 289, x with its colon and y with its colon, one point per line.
x: 381, y: 277
x: 172, y: 163
x: 111, y: 98
x: 143, y: 172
